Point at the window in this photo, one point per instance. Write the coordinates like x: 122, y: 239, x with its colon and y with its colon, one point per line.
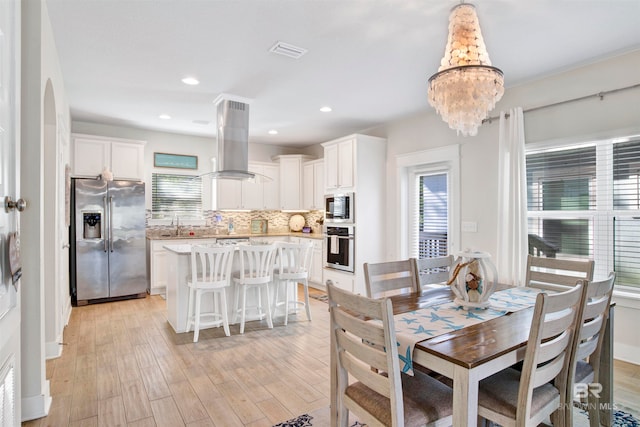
x: 428, y: 202
x: 433, y: 214
x: 584, y: 202
x: 176, y: 194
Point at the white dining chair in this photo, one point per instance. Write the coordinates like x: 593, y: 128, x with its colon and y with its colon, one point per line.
x: 588, y: 346
x: 390, y: 278
x: 526, y: 398
x: 256, y: 273
x: 210, y: 274
x: 369, y: 381
x: 293, y: 266
x: 432, y: 272
x: 556, y: 274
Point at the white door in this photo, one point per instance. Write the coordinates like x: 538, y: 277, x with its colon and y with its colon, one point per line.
x: 9, y: 221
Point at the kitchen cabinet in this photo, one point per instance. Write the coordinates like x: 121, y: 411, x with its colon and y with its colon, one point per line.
x: 123, y: 157
x: 314, y: 187
x: 357, y: 163
x: 341, y: 280
x: 339, y: 165
x: 233, y: 194
x: 291, y: 181
x: 262, y: 195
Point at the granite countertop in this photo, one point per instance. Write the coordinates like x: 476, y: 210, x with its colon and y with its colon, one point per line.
x: 170, y: 235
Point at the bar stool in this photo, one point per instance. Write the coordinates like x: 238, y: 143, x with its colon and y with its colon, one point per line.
x: 293, y: 267
x: 210, y: 273
x: 256, y: 272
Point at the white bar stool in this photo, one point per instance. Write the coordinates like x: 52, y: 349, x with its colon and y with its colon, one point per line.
x: 256, y: 272
x: 293, y: 267
x: 210, y: 273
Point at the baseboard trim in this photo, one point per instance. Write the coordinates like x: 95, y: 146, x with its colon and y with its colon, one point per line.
x: 53, y: 350
x: 35, y: 407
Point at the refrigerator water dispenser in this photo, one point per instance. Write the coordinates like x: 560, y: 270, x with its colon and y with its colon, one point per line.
x: 92, y: 225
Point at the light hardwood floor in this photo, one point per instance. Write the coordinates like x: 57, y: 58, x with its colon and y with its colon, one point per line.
x: 122, y: 364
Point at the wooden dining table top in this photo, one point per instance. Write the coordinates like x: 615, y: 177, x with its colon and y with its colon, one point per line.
x: 473, y: 345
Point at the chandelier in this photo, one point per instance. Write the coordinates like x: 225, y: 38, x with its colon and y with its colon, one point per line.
x: 466, y: 86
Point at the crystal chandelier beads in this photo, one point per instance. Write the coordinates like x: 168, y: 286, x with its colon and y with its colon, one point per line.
x: 466, y: 86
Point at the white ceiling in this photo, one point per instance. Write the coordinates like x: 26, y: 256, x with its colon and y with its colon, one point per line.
x: 370, y: 60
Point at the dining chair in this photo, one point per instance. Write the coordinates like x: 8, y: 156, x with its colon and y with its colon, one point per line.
x: 369, y: 381
x: 556, y: 274
x: 432, y: 271
x: 210, y: 274
x: 587, y: 346
x: 526, y: 398
x: 390, y: 278
x: 256, y: 272
x: 293, y: 266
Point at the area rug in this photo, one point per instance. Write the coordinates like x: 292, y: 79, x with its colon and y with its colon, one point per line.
x: 320, y: 418
x: 320, y: 297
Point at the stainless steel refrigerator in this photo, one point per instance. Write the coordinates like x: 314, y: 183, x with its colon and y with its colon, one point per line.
x: 108, y: 247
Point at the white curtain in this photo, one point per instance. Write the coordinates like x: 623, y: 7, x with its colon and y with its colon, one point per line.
x: 511, y: 260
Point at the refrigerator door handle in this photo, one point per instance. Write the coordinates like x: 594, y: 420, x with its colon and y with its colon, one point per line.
x: 111, y: 223
x: 106, y: 243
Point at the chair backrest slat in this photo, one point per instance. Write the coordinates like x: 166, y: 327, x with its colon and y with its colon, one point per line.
x: 556, y: 274
x: 389, y: 278
x: 432, y: 271
x: 211, y: 265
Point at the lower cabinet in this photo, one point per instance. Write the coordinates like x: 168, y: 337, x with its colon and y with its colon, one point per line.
x: 341, y: 280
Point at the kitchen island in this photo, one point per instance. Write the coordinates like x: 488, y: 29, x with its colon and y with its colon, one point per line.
x: 178, y: 265
x: 157, y: 255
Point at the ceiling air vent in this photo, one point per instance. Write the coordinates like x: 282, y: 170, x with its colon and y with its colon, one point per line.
x: 289, y: 50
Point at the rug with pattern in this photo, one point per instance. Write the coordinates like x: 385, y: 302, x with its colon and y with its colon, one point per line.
x: 320, y: 418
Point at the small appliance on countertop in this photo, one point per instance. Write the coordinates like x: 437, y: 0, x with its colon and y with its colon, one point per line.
x: 259, y: 226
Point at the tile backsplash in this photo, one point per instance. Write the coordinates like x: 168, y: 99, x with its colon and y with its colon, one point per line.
x: 278, y: 221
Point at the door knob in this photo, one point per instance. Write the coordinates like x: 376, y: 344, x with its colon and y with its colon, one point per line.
x: 9, y: 204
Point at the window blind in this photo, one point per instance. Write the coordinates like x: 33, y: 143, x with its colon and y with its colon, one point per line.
x: 176, y: 194
x: 433, y: 215
x: 584, y: 202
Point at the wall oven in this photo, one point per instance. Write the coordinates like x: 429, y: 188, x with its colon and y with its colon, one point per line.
x: 339, y: 207
x: 339, y: 250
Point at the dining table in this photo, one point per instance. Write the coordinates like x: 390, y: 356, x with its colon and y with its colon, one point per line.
x: 468, y: 354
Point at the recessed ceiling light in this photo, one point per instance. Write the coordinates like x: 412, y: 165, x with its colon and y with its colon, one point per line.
x: 190, y: 81
x: 164, y: 116
x: 273, y: 132
x: 326, y: 109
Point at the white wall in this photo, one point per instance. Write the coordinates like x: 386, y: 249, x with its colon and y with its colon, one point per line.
x: 615, y: 114
x: 39, y: 66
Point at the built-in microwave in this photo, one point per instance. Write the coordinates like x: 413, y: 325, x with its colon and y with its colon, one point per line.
x: 339, y: 207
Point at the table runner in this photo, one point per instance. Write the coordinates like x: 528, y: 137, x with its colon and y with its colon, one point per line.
x: 440, y: 318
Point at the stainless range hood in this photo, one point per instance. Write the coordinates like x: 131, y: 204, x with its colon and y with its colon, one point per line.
x: 233, y: 140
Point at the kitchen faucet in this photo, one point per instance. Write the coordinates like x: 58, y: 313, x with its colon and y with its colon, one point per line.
x: 176, y: 218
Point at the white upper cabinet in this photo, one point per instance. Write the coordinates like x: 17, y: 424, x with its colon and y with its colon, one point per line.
x: 291, y: 183
x: 339, y: 165
x: 232, y: 194
x: 123, y: 157
x: 259, y: 194
x: 314, y: 186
